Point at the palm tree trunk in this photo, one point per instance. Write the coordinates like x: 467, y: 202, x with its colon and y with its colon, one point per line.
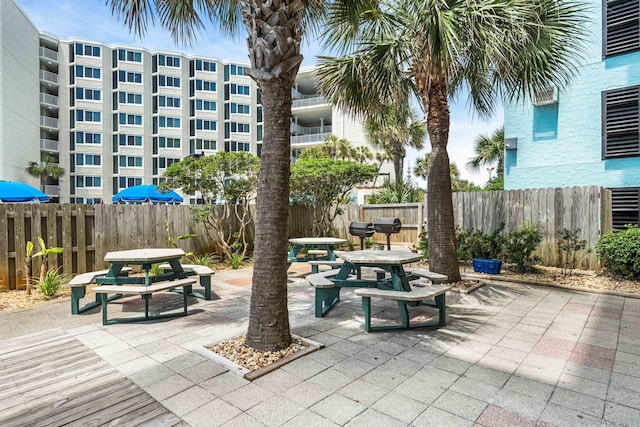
x: 440, y: 221
x: 397, y: 167
x: 269, y: 315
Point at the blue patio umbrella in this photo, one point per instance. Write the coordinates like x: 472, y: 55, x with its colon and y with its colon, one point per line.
x: 17, y: 192
x: 145, y: 194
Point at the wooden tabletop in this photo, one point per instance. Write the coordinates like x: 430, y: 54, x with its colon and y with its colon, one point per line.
x: 144, y: 255
x: 317, y: 241
x: 379, y: 257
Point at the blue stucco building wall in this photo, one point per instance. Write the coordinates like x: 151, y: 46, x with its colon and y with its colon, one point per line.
x: 560, y: 145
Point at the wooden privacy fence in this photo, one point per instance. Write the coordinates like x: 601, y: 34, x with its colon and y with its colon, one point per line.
x: 584, y: 208
x: 87, y: 232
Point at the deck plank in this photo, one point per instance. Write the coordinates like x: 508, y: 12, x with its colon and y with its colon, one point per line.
x: 51, y: 379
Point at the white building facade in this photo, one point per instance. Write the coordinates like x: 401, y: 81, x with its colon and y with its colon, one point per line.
x: 116, y: 116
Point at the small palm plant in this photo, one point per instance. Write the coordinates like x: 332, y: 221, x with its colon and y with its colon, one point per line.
x: 203, y: 259
x: 235, y: 260
x: 51, y: 282
x: 44, y: 253
x: 27, y: 266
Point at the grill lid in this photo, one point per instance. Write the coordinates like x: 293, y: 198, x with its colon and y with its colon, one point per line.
x: 361, y: 229
x: 387, y: 225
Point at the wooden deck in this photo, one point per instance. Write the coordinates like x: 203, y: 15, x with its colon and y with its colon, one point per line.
x: 52, y: 379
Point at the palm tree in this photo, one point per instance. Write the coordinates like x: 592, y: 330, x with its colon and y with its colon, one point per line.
x: 421, y: 170
x: 393, y: 129
x: 274, y: 31
x: 489, y: 151
x: 437, y: 49
x: 362, y: 154
x: 50, y: 169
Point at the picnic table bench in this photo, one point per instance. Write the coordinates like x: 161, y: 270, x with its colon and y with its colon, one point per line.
x: 79, y: 285
x: 415, y: 297
x: 202, y: 271
x: 145, y: 292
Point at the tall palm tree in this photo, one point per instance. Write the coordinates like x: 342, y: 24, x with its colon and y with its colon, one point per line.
x: 489, y: 150
x: 274, y: 31
x: 437, y: 49
x: 393, y: 129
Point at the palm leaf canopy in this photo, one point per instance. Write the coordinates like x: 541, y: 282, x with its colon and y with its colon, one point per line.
x: 494, y: 49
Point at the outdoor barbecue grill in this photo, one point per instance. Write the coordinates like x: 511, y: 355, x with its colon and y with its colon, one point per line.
x: 387, y: 226
x: 361, y: 230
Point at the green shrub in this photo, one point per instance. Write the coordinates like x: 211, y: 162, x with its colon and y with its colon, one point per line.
x: 203, y: 259
x: 477, y: 244
x: 235, y: 261
x: 156, y: 270
x: 51, y: 282
x: 571, y: 248
x: 519, y: 246
x: 620, y: 251
x: 368, y: 243
x: 422, y: 244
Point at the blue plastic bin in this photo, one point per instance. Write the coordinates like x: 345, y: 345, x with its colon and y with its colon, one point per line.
x: 489, y: 266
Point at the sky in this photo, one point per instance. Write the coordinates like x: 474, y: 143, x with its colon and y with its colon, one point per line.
x: 92, y: 20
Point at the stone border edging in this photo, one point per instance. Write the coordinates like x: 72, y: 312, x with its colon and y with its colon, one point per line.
x: 552, y: 285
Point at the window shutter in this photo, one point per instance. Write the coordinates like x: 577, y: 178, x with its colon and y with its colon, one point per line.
x: 625, y: 206
x: 622, y: 27
x: 621, y: 119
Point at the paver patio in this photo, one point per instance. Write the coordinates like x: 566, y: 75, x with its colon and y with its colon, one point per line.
x: 511, y: 355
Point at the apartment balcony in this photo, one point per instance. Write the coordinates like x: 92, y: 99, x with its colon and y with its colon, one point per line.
x: 51, y: 190
x: 49, y: 122
x: 48, y: 77
x: 309, y: 102
x: 48, y: 54
x: 297, y: 129
x: 44, y: 164
x: 308, y: 139
x: 48, y: 100
x: 49, y: 145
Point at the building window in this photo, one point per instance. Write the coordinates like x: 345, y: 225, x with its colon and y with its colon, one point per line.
x: 169, y: 122
x: 169, y: 101
x: 238, y: 70
x: 130, y: 98
x: 205, y: 105
x: 88, y: 181
x: 83, y: 49
x: 205, y: 144
x: 130, y: 140
x: 240, y: 108
x: 88, y: 94
x: 126, y: 182
x: 206, y: 124
x: 130, y: 161
x: 625, y: 206
x: 231, y: 146
x: 205, y: 66
x: 240, y: 127
x: 87, y: 72
x: 129, y: 77
x: 168, y: 61
x: 164, y: 142
x: 130, y: 56
x: 88, y: 160
x: 239, y: 89
x: 168, y: 81
x: 205, y: 85
x: 87, y: 116
x: 621, y: 27
x: 88, y: 138
x: 130, y: 119
x: 164, y: 162
x: 621, y: 114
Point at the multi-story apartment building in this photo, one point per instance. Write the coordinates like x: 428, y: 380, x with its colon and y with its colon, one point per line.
x: 117, y: 116
x: 588, y: 134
